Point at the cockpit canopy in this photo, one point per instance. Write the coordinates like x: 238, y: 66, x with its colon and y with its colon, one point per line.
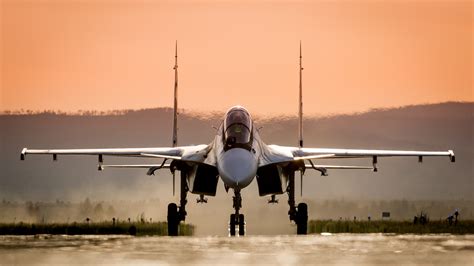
x: 237, y: 129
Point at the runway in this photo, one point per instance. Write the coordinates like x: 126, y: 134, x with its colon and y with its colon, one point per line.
x: 339, y: 249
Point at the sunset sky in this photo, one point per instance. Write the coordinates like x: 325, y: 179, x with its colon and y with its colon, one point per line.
x: 357, y: 55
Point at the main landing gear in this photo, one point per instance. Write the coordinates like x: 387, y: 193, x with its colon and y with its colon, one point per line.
x: 177, y: 214
x: 237, y: 219
x: 297, y: 214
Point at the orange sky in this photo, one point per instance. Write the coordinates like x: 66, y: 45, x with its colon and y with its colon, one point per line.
x: 103, y: 55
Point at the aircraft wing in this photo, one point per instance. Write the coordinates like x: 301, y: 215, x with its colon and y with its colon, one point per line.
x: 197, y: 153
x: 282, y: 154
x: 320, y: 153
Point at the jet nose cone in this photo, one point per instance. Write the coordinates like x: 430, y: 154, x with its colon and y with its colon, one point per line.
x: 237, y: 167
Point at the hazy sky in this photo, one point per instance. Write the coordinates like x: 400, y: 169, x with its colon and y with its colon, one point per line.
x: 103, y: 55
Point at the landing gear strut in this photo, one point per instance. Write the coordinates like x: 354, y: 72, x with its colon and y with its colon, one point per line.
x: 237, y: 219
x: 298, y: 215
x: 177, y: 214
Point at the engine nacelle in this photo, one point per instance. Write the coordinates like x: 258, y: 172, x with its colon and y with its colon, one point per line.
x: 202, y: 179
x: 271, y: 180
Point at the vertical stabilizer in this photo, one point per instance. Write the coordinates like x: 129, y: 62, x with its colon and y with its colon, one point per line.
x: 300, y: 111
x: 175, y: 106
x: 300, y: 116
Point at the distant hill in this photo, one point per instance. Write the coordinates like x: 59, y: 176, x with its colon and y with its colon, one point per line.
x: 422, y: 127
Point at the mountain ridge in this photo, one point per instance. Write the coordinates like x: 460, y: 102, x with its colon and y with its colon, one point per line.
x: 213, y: 113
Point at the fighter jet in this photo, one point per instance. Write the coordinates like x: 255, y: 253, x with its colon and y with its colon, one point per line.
x: 238, y: 156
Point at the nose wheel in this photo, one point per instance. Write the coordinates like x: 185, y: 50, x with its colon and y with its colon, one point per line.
x: 237, y: 220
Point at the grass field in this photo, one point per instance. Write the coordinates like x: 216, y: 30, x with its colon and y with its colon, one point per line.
x: 101, y: 228
x: 396, y: 227
x: 161, y: 229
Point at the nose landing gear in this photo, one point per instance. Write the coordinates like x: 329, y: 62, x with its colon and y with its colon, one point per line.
x: 237, y: 219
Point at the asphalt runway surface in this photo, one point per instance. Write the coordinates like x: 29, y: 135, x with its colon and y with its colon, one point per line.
x: 325, y: 249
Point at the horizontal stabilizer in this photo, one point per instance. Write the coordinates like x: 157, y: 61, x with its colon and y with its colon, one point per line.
x: 311, y: 157
x: 103, y: 166
x: 151, y: 167
x: 340, y: 167
x: 324, y: 168
x: 161, y: 156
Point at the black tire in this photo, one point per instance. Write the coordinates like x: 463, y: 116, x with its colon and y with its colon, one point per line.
x: 173, y: 222
x: 241, y: 225
x: 302, y: 219
x: 232, y: 224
